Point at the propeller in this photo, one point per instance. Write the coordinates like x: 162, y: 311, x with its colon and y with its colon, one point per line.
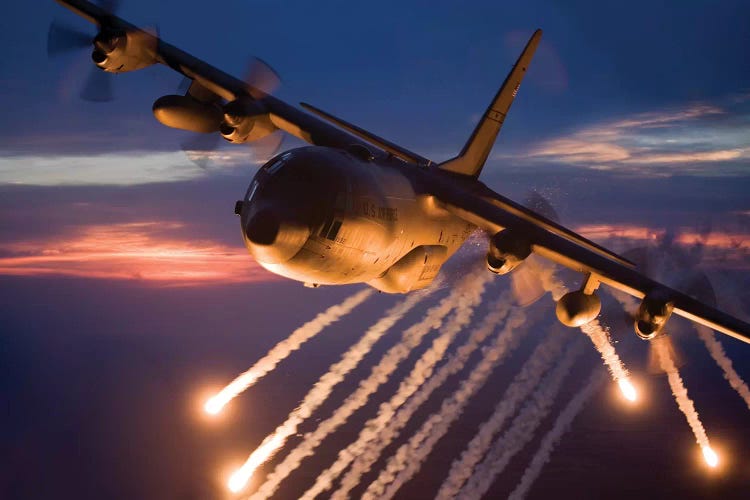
x: 532, y: 279
x: 63, y: 39
x: 264, y: 80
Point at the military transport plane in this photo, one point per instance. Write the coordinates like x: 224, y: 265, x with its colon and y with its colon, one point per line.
x: 355, y: 208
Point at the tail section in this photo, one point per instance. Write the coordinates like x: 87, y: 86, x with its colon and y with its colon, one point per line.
x: 474, y: 154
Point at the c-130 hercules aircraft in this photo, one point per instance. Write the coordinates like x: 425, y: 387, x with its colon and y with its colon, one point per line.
x: 356, y: 208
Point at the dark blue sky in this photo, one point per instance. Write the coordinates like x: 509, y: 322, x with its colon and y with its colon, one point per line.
x: 633, y: 119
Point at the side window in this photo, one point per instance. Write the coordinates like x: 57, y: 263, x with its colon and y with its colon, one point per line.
x: 251, y: 191
x: 331, y: 229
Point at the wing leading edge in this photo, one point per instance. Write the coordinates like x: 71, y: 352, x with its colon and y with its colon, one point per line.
x: 285, y: 117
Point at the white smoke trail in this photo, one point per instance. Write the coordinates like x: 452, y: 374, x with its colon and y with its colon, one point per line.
x: 545, y: 271
x: 522, y: 385
x: 522, y: 429
x: 662, y: 349
x: 423, y: 369
x: 600, y: 339
x: 559, y: 428
x: 380, y: 373
x: 381, y: 431
x: 284, y: 349
x: 720, y: 357
x: 628, y: 302
x: 322, y: 389
x: 408, y: 459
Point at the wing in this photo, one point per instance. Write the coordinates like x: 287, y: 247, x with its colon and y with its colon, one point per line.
x: 479, y: 205
x: 224, y: 86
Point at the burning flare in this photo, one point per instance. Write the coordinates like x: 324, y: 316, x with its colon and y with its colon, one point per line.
x: 627, y: 389
x: 321, y: 390
x: 600, y: 339
x: 712, y: 459
x: 662, y: 348
x: 282, y: 350
x: 379, y: 375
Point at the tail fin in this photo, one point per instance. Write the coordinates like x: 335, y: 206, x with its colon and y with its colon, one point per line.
x: 474, y: 154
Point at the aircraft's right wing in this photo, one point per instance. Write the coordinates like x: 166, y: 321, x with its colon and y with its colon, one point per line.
x: 481, y: 211
x: 309, y: 128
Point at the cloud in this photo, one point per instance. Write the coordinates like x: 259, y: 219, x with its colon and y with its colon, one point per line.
x: 118, y: 168
x: 726, y: 247
x: 142, y: 251
x: 697, y: 138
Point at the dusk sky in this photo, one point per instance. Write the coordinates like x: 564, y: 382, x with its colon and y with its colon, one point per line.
x: 128, y: 296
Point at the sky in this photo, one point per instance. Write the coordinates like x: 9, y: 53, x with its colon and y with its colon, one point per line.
x: 128, y: 295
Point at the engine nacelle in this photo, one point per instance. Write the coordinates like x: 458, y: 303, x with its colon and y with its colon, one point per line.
x: 653, y: 313
x: 246, y: 120
x: 577, y: 308
x: 506, y: 252
x: 119, y: 51
x: 187, y: 113
x: 413, y: 271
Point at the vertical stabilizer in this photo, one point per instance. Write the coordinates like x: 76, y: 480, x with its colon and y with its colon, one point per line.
x: 474, y: 154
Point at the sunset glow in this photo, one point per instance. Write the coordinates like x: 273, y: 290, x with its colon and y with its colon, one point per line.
x: 143, y: 251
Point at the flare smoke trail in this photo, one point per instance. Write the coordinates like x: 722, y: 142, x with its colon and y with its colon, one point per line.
x: 410, y: 457
x: 662, y: 350
x: 600, y: 339
x: 523, y: 383
x: 559, y: 428
x: 422, y: 370
x: 381, y: 431
x: 523, y: 427
x: 380, y: 373
x: 284, y: 349
x: 545, y: 272
x: 322, y: 389
x: 720, y: 357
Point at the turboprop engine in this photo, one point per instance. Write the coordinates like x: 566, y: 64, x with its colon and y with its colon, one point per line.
x: 245, y: 120
x: 652, y: 315
x: 119, y: 51
x: 241, y: 120
x: 506, y: 252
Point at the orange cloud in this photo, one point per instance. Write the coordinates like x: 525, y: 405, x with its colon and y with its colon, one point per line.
x: 132, y: 251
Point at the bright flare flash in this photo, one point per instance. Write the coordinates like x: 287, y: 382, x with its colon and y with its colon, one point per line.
x: 262, y: 453
x: 237, y: 481
x: 213, y: 405
x: 628, y: 391
x: 712, y: 459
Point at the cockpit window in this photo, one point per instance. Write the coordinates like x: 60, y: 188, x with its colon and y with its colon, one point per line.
x: 276, y: 164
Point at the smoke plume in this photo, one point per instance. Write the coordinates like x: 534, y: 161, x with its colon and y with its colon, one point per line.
x: 523, y: 427
x: 380, y: 373
x: 283, y: 349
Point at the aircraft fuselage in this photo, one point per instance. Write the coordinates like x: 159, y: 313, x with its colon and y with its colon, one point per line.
x: 328, y: 216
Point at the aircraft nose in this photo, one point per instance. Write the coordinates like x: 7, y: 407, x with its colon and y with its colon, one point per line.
x: 274, y: 236
x: 263, y: 228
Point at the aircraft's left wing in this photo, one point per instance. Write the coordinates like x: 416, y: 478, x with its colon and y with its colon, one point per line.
x: 285, y: 117
x: 479, y: 209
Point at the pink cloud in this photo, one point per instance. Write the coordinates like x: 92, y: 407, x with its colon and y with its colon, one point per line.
x: 141, y: 251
